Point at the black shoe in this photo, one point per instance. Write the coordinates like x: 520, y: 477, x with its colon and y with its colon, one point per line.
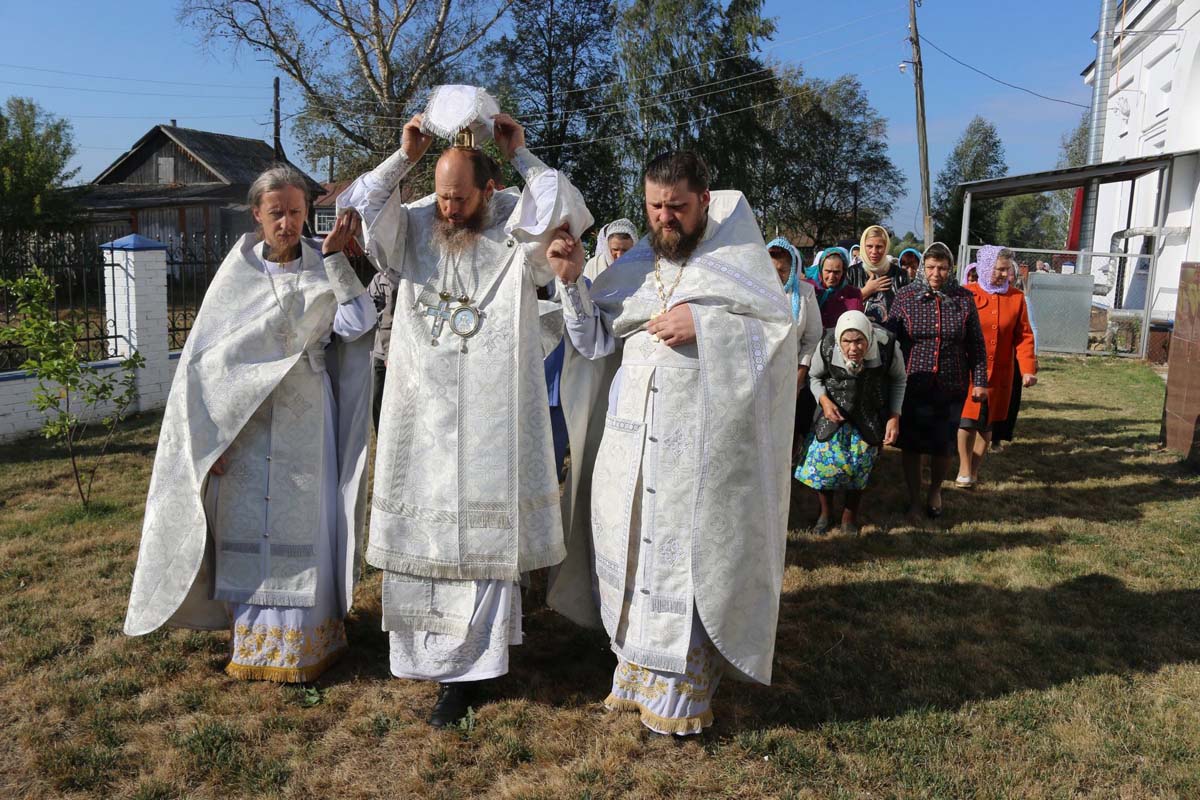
x: 451, y: 706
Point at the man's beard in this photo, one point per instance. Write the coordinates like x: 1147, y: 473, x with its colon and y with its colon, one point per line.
x: 675, y: 245
x: 455, y: 238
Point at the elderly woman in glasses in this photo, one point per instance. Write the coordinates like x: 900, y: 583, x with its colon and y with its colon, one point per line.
x: 858, y: 378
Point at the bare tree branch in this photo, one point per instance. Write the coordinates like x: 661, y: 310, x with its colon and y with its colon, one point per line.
x: 358, y: 64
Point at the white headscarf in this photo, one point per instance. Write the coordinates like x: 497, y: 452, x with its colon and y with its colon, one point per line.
x: 602, y: 260
x: 856, y: 321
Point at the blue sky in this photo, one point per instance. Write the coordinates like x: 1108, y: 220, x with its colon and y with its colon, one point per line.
x: 1041, y: 44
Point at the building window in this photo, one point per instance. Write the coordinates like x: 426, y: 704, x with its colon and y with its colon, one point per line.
x: 325, y: 219
x: 166, y: 170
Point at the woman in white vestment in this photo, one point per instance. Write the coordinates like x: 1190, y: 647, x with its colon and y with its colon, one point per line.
x: 267, y: 419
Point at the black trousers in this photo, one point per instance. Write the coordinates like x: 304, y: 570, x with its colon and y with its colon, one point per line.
x: 377, y: 388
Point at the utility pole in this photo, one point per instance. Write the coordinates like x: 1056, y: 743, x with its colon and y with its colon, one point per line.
x: 278, y: 142
x: 922, y: 143
x: 331, y: 167
x: 854, y: 233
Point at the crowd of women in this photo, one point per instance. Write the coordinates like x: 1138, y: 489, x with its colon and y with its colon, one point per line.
x: 895, y: 351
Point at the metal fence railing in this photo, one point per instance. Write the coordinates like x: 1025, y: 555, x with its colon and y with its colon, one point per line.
x: 192, y: 261
x: 83, y: 276
x: 1083, y: 301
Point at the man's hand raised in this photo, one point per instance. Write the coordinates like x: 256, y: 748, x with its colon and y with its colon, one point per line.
x: 565, y: 254
x: 509, y: 135
x: 413, y: 142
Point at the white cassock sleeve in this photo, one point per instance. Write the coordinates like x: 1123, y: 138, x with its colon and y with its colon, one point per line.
x: 354, y: 318
x: 589, y: 328
x: 384, y: 216
x: 548, y: 201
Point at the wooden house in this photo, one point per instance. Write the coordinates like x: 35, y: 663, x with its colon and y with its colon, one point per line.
x: 180, y: 184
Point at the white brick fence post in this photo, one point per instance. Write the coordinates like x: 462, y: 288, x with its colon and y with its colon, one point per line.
x: 137, y: 305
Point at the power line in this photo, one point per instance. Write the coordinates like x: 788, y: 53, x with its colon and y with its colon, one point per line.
x: 125, y: 79
x: 157, y: 116
x: 137, y: 94
x: 816, y: 34
x: 622, y: 106
x: 999, y: 80
x: 772, y: 101
x: 687, y: 67
x: 687, y: 90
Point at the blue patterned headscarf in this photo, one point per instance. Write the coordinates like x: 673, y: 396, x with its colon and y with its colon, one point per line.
x: 912, y: 250
x: 813, y: 271
x: 823, y: 293
x: 791, y: 288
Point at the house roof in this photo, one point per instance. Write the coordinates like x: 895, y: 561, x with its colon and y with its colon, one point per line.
x: 105, y: 196
x: 232, y: 160
x: 332, y: 190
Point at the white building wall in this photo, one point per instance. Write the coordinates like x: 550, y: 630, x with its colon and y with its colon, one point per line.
x: 1153, y: 108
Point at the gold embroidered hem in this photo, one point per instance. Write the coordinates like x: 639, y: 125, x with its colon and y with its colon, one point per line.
x: 248, y: 672
x: 684, y: 726
x: 277, y: 651
x: 671, y: 702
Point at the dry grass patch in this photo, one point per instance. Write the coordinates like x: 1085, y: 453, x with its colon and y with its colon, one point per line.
x: 1043, y: 642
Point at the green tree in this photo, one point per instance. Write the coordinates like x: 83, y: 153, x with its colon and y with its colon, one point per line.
x: 1030, y: 220
x: 1041, y: 220
x: 683, y: 63
x: 825, y: 138
x: 1072, y: 148
x: 545, y: 73
x: 978, y: 155
x: 70, y: 389
x: 35, y: 149
x: 909, y: 239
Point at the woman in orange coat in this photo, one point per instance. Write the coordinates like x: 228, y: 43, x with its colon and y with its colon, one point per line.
x: 1009, y: 338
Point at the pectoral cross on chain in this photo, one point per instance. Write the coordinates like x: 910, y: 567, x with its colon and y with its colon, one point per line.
x: 440, y: 314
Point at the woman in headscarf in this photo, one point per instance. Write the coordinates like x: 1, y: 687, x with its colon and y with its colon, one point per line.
x: 858, y: 377
x: 807, y: 313
x: 910, y: 262
x: 938, y: 328
x: 813, y: 271
x: 876, y: 276
x: 613, y: 241
x: 1008, y: 337
x: 835, y: 295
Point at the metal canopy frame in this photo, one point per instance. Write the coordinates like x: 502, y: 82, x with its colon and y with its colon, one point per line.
x: 1073, y: 178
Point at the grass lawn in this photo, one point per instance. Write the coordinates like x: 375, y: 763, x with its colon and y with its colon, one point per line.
x: 1042, y: 642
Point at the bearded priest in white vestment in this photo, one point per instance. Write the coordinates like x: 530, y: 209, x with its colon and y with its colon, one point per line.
x: 679, y: 390
x: 466, y: 495
x: 257, y: 501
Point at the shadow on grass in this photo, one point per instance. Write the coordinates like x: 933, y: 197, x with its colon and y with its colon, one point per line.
x: 861, y: 650
x: 837, y: 550
x: 137, y: 434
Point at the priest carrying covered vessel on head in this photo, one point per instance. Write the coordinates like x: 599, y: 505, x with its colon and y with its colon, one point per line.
x: 679, y: 389
x: 466, y: 494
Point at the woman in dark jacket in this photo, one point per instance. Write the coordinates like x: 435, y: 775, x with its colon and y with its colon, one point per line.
x: 936, y: 323
x: 877, y: 276
x: 835, y: 295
